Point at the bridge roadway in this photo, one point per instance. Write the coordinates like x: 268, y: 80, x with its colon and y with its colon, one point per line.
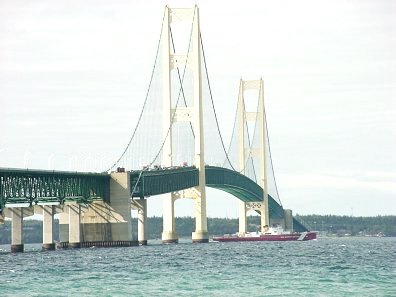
x: 42, y: 186
x: 155, y: 182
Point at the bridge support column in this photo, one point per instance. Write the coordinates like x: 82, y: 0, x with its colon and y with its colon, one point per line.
x: 201, y: 225
x: 74, y: 225
x: 264, y: 219
x: 242, y: 217
x: 17, y: 230
x: 48, y: 227
x: 169, y: 234
x: 261, y: 208
x: 64, y: 225
x: 120, y: 201
x: 95, y: 222
x: 142, y: 219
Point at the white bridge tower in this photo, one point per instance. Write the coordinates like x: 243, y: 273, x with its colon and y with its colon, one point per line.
x: 192, y: 114
x: 258, y: 117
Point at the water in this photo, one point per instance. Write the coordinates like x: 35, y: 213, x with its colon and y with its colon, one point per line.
x: 326, y: 267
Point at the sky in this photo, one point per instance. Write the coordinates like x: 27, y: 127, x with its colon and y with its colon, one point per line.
x: 73, y: 77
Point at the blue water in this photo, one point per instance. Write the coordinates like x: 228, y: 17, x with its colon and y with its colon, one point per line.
x: 325, y: 267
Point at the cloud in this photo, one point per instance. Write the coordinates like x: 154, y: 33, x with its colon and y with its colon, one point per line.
x: 379, y: 181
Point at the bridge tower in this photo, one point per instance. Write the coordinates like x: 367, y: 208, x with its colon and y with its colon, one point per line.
x: 192, y: 114
x: 258, y: 117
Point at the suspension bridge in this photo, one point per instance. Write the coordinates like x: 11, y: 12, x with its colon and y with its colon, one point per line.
x: 176, y: 150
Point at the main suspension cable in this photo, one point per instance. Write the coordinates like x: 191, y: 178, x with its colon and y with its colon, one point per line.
x: 232, y: 136
x: 217, y: 122
x: 178, y: 97
x: 145, y: 101
x: 174, y: 113
x: 269, y: 151
x: 211, y: 98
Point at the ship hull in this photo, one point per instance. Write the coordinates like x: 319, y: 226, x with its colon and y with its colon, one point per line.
x: 272, y: 237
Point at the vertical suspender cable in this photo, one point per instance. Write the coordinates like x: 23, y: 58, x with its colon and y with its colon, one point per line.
x: 211, y: 98
x: 178, y: 97
x: 145, y: 101
x: 272, y: 165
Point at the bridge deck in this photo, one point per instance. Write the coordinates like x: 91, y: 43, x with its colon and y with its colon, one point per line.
x: 155, y: 182
x: 43, y: 186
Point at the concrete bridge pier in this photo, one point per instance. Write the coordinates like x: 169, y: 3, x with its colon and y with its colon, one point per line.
x: 120, y: 201
x: 17, y: 230
x: 169, y: 234
x: 64, y: 226
x: 99, y: 223
x: 48, y: 227
x: 74, y: 225
x: 201, y: 226
x: 142, y: 220
x: 259, y: 207
x: 264, y: 217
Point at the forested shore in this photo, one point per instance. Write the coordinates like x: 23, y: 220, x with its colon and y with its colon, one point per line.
x: 327, y: 225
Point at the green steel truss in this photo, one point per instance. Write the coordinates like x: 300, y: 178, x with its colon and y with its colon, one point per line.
x: 241, y: 187
x: 234, y: 183
x: 44, y: 186
x: 156, y: 182
x: 298, y: 227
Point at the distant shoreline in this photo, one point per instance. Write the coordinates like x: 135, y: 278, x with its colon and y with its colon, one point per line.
x: 327, y: 226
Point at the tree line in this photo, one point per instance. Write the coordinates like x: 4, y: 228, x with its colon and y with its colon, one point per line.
x: 329, y: 224
x: 341, y: 225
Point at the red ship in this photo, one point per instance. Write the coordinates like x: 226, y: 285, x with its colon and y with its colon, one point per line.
x: 271, y: 234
